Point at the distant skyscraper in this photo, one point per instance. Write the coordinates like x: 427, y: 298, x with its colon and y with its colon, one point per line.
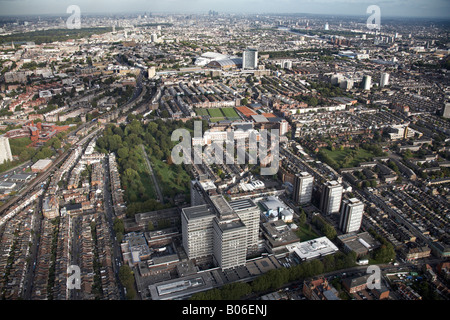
x: 303, y: 186
x: 287, y: 64
x: 327, y: 27
x: 284, y: 127
x: 151, y: 72
x: 346, y: 84
x: 330, y: 201
x: 5, y: 150
x: 367, y: 82
x: 154, y: 37
x: 351, y: 215
x: 250, y: 59
x: 384, y: 81
x: 446, y: 111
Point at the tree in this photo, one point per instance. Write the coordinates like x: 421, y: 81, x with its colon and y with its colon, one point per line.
x: 407, y: 155
x: 312, y: 101
x: 302, y: 217
x: 317, y: 266
x: 328, y: 263
x: 56, y: 143
x: 24, y: 155
x: 114, y: 142
x: 127, y: 278
x: 235, y: 291
x: 123, y: 152
x: 165, y: 114
x: 260, y: 284
x: 385, y: 253
x: 324, y: 227
x: 126, y: 275
x: 118, y: 225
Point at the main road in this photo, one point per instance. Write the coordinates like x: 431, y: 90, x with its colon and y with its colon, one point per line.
x: 109, y: 213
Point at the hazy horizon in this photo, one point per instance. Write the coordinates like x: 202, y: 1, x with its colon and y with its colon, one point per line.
x: 389, y: 8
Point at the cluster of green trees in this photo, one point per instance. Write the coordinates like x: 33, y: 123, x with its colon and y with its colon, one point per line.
x: 349, y: 157
x: 327, y: 90
x: 375, y: 149
x: 443, y: 172
x: 366, y: 182
x: 426, y: 291
x: 33, y: 65
x: 48, y: 108
x: 324, y: 227
x: 52, y: 268
x: 160, y: 224
x: 232, y: 291
x: 446, y: 62
x: 5, y: 112
x: 49, y: 36
x: 123, y: 94
x: 97, y: 289
x: 173, y: 178
x: 119, y: 229
x: 385, y: 253
x: 7, y: 69
x: 276, y: 278
x: 127, y: 279
x: 309, y: 100
x: 295, y: 53
x: 125, y: 142
x: 391, y: 164
x: 343, y: 33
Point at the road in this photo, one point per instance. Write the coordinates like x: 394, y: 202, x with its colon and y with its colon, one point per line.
x: 36, y: 229
x: 19, y: 169
x: 109, y: 212
x: 343, y: 273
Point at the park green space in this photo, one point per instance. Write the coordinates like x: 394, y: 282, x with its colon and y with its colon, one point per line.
x: 218, y: 114
x: 172, y: 178
x: 346, y: 157
x: 215, y: 113
x: 230, y: 113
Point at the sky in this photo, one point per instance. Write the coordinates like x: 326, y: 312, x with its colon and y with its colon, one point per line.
x: 389, y: 8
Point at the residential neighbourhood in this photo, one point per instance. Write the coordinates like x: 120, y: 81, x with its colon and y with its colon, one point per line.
x: 351, y: 123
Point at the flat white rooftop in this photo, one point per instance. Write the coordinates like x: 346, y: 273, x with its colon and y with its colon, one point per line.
x: 311, y: 249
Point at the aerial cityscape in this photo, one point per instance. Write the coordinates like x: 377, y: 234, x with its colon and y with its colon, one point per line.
x: 184, y: 151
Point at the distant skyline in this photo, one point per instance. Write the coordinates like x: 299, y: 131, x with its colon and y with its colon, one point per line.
x: 389, y: 8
